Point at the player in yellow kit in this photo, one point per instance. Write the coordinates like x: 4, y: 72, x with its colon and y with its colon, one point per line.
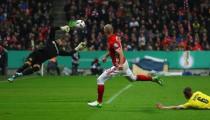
x: 196, y: 100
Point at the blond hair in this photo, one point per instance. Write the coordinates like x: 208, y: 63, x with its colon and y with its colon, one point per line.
x: 108, y: 29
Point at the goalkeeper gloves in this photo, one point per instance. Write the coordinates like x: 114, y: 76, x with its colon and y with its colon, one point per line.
x: 72, y: 23
x: 65, y: 28
x: 81, y: 46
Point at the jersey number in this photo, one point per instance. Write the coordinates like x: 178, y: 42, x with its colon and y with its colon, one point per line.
x: 203, y: 100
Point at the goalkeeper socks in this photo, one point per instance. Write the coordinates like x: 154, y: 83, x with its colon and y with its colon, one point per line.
x: 143, y: 78
x: 21, y: 69
x: 100, y: 93
x: 28, y: 71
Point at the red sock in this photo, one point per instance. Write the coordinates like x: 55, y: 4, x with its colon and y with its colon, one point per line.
x: 144, y: 78
x: 100, y: 93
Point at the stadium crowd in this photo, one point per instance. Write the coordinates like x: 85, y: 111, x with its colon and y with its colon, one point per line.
x: 24, y: 24
x: 142, y: 24
x: 146, y: 24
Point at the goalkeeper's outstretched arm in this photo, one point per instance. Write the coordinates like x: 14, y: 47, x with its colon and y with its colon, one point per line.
x: 79, y: 47
x: 160, y: 106
x: 65, y: 28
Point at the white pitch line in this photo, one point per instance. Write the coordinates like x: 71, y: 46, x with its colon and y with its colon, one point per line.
x: 118, y: 93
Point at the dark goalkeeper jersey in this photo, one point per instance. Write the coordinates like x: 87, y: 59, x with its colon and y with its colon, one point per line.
x: 52, y: 48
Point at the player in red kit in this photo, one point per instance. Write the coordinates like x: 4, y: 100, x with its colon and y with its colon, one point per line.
x: 120, y: 66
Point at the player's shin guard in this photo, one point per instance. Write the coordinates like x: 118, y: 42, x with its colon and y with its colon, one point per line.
x: 143, y: 78
x: 100, y: 93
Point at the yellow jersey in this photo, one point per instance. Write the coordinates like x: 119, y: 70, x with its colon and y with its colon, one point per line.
x: 198, y: 100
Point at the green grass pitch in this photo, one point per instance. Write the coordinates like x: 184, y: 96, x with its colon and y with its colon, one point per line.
x: 65, y: 98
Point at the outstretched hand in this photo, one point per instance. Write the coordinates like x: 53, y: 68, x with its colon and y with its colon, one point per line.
x: 65, y: 28
x: 159, y: 106
x: 81, y: 46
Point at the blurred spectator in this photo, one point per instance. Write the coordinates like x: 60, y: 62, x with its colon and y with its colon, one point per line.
x: 53, y: 65
x: 145, y: 24
x: 142, y: 24
x: 24, y: 23
x: 96, y: 67
x: 3, y: 60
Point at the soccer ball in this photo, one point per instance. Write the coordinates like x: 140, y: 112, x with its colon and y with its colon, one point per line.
x: 80, y: 24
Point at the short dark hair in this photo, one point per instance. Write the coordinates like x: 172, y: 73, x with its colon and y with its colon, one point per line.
x: 187, y: 92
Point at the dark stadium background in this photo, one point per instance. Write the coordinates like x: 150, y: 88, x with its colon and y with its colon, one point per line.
x: 142, y: 24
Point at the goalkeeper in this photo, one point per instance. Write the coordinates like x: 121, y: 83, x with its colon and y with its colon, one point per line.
x: 51, y: 49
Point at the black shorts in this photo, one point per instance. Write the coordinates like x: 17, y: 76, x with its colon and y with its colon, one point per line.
x: 37, y: 57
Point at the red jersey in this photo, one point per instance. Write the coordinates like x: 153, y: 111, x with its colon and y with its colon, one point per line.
x: 114, y: 43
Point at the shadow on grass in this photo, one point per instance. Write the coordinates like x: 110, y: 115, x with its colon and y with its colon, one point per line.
x: 147, y: 110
